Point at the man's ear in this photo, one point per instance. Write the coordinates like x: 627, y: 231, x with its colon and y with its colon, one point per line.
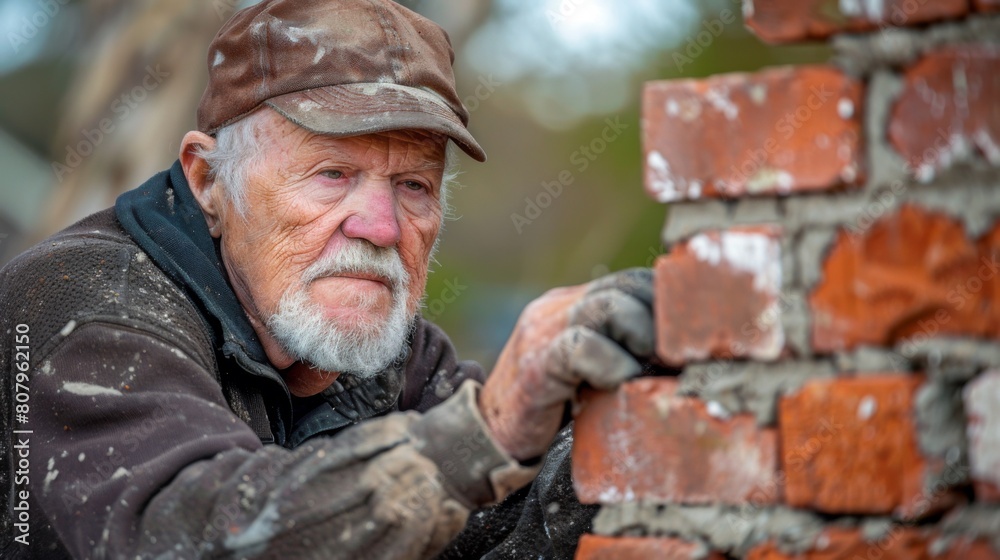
x: 197, y: 172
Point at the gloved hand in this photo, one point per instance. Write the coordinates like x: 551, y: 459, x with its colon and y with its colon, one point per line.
x: 590, y: 333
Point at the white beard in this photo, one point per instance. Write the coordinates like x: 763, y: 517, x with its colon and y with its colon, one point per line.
x: 361, y: 348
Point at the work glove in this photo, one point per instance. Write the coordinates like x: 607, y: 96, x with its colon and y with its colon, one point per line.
x: 595, y: 333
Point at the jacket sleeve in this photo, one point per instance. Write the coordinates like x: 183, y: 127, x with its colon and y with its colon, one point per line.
x: 434, y: 372
x: 143, y: 458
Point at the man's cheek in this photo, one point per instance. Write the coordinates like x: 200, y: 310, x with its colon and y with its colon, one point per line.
x: 286, y: 254
x: 415, y: 254
x: 418, y: 284
x: 423, y: 225
x: 271, y: 270
x: 416, y: 245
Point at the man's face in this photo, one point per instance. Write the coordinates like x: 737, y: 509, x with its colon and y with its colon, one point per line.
x: 338, y: 233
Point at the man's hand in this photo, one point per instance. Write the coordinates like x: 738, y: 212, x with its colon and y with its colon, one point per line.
x: 590, y: 333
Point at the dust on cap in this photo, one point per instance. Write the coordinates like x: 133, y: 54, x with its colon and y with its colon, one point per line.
x: 336, y: 67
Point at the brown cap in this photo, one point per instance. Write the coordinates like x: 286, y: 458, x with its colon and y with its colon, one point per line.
x: 336, y: 67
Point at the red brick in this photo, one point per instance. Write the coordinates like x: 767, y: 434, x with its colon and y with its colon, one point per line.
x: 910, y: 276
x: 644, y: 442
x: 593, y: 547
x: 717, y: 296
x: 782, y: 130
x: 982, y: 407
x: 849, y: 544
x: 948, y: 104
x: 781, y: 21
x: 986, y: 5
x: 988, y: 272
x: 849, y: 445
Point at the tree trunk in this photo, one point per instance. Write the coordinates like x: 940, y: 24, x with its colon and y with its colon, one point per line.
x: 133, y: 98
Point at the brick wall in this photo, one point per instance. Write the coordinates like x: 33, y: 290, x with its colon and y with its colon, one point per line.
x: 831, y: 292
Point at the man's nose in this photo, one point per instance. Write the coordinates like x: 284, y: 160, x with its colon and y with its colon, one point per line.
x: 375, y: 218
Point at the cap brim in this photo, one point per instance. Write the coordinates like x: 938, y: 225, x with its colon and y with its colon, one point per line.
x: 356, y: 109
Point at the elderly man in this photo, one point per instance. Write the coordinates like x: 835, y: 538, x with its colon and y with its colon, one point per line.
x: 231, y: 363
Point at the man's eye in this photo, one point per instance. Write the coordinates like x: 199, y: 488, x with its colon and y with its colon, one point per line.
x: 413, y: 185
x: 333, y: 174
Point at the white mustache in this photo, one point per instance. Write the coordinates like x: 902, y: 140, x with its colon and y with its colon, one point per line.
x: 362, y: 348
x: 362, y: 257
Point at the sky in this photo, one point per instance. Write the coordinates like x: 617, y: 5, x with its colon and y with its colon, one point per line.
x: 577, y: 58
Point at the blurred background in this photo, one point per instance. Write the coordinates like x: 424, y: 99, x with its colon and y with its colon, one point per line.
x: 553, y: 87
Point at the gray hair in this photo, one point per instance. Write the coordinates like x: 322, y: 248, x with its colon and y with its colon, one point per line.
x: 238, y: 149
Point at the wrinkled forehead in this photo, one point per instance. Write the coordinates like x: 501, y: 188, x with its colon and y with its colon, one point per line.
x: 416, y: 149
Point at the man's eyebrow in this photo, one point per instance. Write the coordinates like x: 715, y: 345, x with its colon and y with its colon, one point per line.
x: 430, y: 165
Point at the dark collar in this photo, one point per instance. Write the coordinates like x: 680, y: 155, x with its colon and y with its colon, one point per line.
x: 164, y: 219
